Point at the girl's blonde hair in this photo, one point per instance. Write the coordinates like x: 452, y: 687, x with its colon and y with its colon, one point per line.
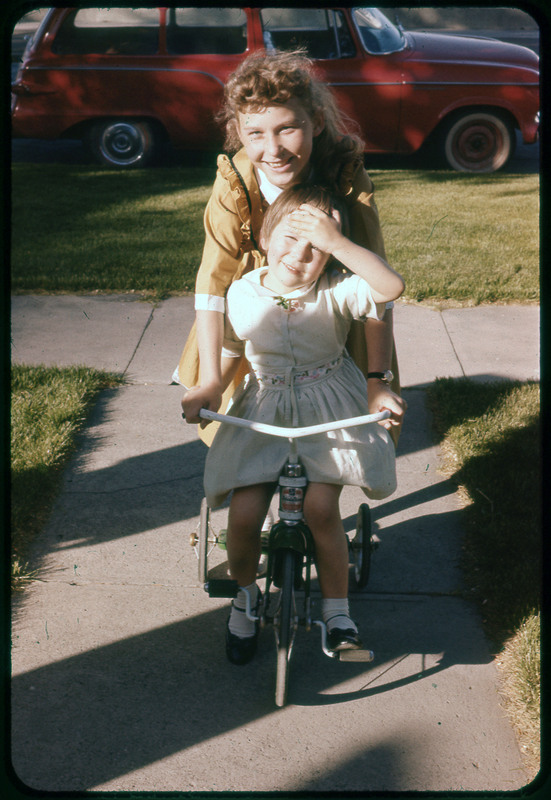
x: 295, y: 196
x: 276, y: 77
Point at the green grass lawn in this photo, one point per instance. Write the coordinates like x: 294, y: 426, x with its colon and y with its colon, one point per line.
x: 83, y: 229
x: 457, y: 239
x: 491, y: 438
x: 468, y: 239
x: 48, y: 408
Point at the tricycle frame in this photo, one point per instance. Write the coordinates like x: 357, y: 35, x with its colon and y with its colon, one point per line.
x: 290, y: 551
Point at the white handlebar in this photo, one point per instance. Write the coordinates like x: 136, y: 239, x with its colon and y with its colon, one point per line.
x: 294, y: 433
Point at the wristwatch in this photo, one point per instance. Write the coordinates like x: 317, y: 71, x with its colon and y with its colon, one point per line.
x: 387, y: 376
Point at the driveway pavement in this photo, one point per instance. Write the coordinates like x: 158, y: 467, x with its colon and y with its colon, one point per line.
x: 120, y: 681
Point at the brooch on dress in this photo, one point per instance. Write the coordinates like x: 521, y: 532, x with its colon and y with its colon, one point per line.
x: 289, y: 305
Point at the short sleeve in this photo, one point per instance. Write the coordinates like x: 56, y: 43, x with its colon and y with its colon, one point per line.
x: 209, y: 302
x: 353, y: 298
x: 232, y: 346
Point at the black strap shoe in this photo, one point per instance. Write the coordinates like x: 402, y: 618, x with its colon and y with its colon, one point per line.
x: 343, y: 639
x: 240, y: 650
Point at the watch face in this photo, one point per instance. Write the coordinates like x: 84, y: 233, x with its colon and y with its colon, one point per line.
x: 387, y: 376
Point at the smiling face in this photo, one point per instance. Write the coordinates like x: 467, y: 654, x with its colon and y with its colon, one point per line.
x: 293, y: 262
x: 278, y: 140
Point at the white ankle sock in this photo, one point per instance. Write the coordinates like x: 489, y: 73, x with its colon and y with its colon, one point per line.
x: 336, y: 614
x: 238, y: 623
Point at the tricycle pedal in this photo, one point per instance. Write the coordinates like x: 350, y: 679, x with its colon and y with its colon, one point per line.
x: 221, y: 587
x: 356, y: 655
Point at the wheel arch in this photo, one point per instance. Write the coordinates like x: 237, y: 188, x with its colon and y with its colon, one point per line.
x: 155, y: 133
x: 451, y: 115
x: 439, y: 139
x: 80, y: 130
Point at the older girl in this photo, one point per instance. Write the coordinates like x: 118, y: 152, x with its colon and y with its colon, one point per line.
x: 286, y: 128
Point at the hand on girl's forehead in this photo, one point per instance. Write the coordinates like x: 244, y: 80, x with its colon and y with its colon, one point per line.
x: 307, y: 213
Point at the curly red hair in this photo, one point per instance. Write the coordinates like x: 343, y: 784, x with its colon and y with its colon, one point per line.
x: 275, y: 77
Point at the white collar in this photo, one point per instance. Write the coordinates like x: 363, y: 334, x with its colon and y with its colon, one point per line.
x: 256, y: 275
x: 270, y: 191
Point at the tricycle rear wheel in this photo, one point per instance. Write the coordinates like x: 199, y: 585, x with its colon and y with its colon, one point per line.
x: 204, y: 524
x: 360, y: 548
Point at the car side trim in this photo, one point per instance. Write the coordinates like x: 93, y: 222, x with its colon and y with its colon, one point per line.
x: 467, y: 83
x: 432, y: 83
x: 81, y: 68
x: 124, y: 69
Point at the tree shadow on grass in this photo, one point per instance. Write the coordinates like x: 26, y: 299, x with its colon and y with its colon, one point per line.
x: 503, y: 543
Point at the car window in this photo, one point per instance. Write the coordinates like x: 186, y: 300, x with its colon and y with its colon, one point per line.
x: 126, y: 31
x: 322, y: 31
x: 206, y: 30
x: 378, y: 34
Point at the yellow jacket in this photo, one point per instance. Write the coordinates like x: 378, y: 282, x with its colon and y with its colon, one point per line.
x: 233, y: 219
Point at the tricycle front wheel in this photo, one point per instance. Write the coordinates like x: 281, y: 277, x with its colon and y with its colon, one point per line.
x: 285, y: 627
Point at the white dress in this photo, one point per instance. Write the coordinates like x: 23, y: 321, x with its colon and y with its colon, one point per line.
x: 301, y: 375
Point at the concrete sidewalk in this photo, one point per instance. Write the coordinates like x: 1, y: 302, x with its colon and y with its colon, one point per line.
x: 123, y: 334
x: 120, y: 677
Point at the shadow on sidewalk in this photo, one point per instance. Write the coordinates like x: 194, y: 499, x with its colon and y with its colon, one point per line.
x: 88, y: 719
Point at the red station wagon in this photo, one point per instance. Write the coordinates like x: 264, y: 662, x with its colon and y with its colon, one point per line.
x: 126, y: 80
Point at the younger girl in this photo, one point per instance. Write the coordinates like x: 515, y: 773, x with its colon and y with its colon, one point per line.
x: 291, y: 320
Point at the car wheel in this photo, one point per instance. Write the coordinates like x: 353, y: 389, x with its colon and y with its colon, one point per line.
x: 478, y: 142
x: 122, y: 143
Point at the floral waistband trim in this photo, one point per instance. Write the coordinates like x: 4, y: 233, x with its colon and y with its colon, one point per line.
x: 297, y: 377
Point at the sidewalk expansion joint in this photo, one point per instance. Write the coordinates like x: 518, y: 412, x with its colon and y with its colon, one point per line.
x: 450, y: 339
x: 146, y: 326
x: 105, y: 583
x: 90, y: 492
x: 374, y: 596
x: 457, y: 594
